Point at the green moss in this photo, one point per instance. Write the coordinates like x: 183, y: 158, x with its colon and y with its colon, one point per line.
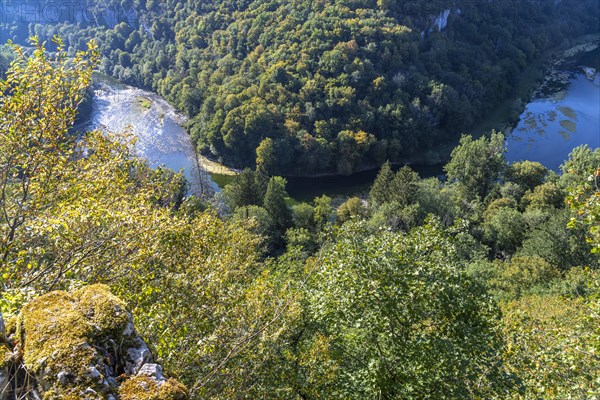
x: 6, y: 355
x: 106, y: 312
x: 59, y: 332
x: 10, y: 325
x: 173, y: 390
x: 73, y: 394
x: 56, y: 335
x: 139, y: 388
x: 146, y: 388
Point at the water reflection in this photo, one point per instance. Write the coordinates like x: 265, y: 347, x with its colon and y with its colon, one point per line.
x: 551, y: 126
x: 161, y: 139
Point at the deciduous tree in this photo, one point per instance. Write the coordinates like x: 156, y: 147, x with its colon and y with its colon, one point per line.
x: 476, y: 164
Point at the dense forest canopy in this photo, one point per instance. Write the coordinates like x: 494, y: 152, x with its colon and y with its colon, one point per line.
x: 322, y: 86
x: 485, y: 286
x: 482, y: 286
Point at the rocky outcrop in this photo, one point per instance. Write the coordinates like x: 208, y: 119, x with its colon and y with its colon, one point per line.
x: 80, y: 345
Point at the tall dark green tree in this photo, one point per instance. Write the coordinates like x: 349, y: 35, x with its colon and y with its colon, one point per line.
x: 275, y: 204
x: 380, y: 193
x: 244, y: 190
x: 404, y: 186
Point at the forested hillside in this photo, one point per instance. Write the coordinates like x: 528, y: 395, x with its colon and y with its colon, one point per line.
x: 482, y: 287
x: 304, y: 87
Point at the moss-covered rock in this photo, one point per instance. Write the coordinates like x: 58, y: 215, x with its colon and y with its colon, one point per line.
x: 106, y: 312
x: 76, y: 345
x: 145, y: 388
x: 173, y: 390
x: 56, y: 338
x: 10, y: 325
x: 6, y: 356
x: 2, y: 334
x: 6, y: 359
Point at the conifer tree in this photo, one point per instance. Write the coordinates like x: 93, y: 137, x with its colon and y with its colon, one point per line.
x: 275, y: 203
x: 244, y: 190
x: 379, y: 193
x: 403, y: 188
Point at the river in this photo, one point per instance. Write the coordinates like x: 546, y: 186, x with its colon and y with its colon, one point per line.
x: 564, y: 113
x: 161, y: 138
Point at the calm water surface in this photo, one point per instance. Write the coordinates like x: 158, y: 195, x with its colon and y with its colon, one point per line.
x: 551, y: 126
x: 161, y: 139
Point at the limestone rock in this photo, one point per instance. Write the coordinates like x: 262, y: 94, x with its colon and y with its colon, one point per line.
x: 137, y: 355
x: 152, y: 370
x: 80, y: 345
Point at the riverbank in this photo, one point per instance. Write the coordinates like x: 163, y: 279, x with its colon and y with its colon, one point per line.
x: 557, y: 76
x: 305, y: 189
x: 505, y: 116
x: 563, y: 112
x: 214, y: 167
